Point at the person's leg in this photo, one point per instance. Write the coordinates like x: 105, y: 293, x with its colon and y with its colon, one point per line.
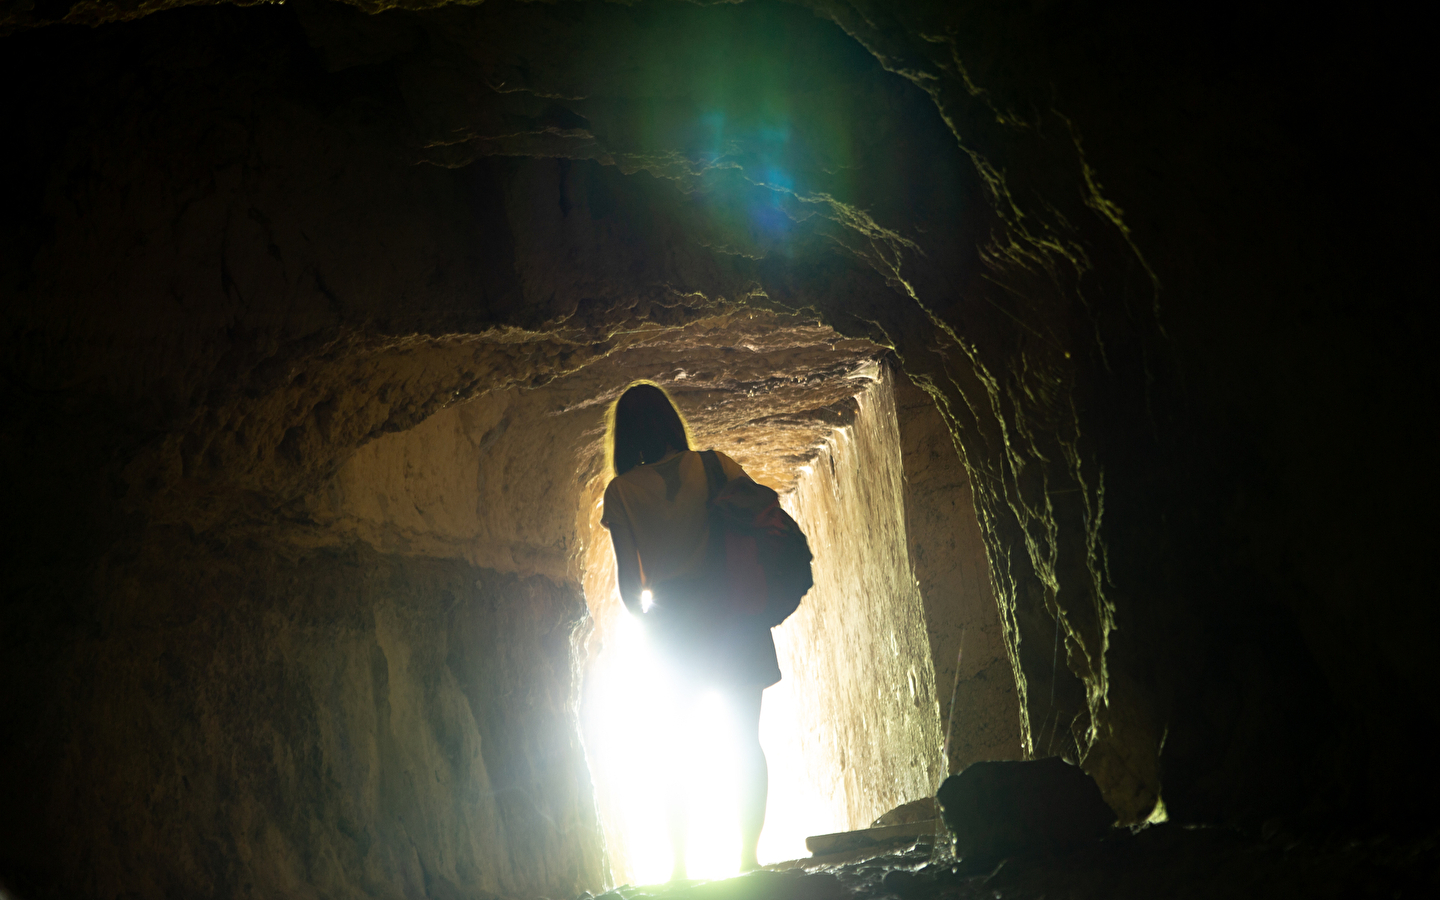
x: 678, y: 749
x: 753, y: 772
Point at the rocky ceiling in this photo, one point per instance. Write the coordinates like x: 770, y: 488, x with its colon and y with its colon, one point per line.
x: 1158, y: 270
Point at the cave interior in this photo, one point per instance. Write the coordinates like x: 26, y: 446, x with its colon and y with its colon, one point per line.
x: 1084, y: 341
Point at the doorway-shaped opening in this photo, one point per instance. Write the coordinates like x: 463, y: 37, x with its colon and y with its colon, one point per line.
x: 509, y: 485
x: 857, y: 724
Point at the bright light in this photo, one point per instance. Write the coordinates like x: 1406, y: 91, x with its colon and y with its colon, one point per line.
x: 647, y: 600
x: 800, y: 804
x: 646, y: 739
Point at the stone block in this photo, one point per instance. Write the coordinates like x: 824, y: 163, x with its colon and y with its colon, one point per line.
x: 1003, y: 808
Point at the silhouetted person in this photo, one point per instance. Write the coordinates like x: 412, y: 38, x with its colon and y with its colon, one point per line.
x: 656, y: 511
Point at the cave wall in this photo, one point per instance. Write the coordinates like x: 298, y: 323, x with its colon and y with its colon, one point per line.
x: 858, y: 684
x: 1156, y: 301
x: 1201, y: 318
x: 252, y: 720
x: 491, y: 481
x: 228, y: 348
x: 378, y: 697
x: 974, y: 679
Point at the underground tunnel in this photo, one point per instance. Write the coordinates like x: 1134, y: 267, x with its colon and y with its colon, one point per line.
x: 1085, y: 345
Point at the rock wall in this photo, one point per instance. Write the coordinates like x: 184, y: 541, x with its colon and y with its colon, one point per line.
x: 858, y: 687
x: 248, y: 720
x: 491, y: 481
x: 376, y: 695
x: 974, y: 679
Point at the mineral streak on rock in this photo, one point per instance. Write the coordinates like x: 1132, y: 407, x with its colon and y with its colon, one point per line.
x: 974, y: 682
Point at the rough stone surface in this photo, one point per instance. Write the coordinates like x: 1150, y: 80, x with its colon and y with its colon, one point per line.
x: 298, y: 723
x: 847, y: 842
x: 854, y: 657
x: 922, y: 810
x: 978, y: 705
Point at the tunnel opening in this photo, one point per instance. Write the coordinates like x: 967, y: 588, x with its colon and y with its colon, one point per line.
x: 854, y: 728
x: 511, y: 482
x: 835, y: 759
x: 776, y: 428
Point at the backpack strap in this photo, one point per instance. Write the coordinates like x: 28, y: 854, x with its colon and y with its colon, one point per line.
x: 714, y: 474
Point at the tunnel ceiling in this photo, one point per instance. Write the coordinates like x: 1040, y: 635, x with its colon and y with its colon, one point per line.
x: 251, y: 242
x: 768, y: 390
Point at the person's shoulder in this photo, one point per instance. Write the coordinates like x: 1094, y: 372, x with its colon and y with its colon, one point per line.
x: 731, y: 468
x: 623, y: 482
x: 612, y: 506
x: 618, y: 485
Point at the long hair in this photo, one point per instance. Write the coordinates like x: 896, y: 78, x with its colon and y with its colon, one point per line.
x: 644, y: 426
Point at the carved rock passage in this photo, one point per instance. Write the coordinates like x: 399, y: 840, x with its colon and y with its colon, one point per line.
x: 1169, y: 320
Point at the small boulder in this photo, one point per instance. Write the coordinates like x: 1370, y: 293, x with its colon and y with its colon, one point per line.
x: 999, y: 809
x: 922, y: 810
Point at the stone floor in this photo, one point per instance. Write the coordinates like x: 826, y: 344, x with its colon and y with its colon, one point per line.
x: 1165, y: 861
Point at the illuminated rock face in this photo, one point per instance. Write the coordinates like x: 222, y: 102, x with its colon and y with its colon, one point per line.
x: 858, y: 685
x: 280, y: 282
x: 979, y: 711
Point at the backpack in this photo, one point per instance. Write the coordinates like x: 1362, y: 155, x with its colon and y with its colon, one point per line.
x: 756, y: 550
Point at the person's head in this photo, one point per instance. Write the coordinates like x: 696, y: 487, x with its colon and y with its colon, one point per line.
x: 645, y: 426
